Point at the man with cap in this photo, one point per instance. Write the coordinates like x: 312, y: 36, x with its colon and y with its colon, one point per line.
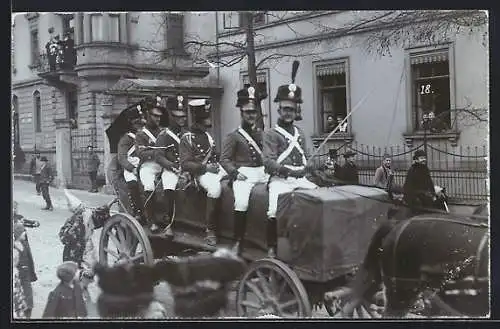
x: 35, y: 167
x: 92, y: 167
x: 145, y: 144
x: 285, y: 157
x: 46, y: 178
x: 198, y: 157
x: 242, y: 159
x: 129, y: 161
x: 168, y: 155
x: 418, y: 188
x: 349, y: 169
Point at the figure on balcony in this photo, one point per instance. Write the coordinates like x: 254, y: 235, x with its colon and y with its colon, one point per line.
x: 51, y: 49
x: 60, y: 52
x: 69, y: 53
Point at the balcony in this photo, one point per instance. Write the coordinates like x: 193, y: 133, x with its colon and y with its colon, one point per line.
x: 57, y: 71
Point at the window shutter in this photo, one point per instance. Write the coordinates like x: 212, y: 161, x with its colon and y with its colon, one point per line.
x: 175, y: 34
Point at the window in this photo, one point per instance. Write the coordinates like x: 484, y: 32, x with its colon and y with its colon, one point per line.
x: 68, y: 23
x: 37, y: 104
x: 72, y: 107
x: 259, y: 18
x: 262, y: 84
x: 114, y: 27
x: 15, y: 117
x: 35, y: 47
x: 175, y: 34
x: 430, y: 74
x: 332, y: 95
x: 97, y: 28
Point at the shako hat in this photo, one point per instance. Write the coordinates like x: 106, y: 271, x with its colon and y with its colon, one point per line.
x: 134, y: 112
x: 157, y: 102
x: 250, y: 93
x: 177, y: 105
x: 290, y: 92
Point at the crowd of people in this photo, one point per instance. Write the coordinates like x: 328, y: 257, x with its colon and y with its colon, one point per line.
x: 61, y: 54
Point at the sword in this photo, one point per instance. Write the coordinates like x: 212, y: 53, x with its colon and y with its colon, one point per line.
x: 356, y: 107
x: 155, y: 147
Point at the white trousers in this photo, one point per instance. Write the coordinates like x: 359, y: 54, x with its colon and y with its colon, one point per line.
x: 148, y: 173
x: 243, y: 188
x: 128, y: 175
x: 278, y: 186
x: 210, y: 182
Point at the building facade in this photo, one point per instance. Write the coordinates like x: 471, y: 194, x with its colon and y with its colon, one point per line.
x: 60, y: 112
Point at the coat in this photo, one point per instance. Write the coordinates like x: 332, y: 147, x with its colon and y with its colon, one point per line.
x: 72, y: 236
x: 18, y: 297
x: 93, y: 162
x: 65, y: 302
x: 124, y: 145
x: 26, y: 268
x: 46, y: 175
x: 169, y: 158
x: 141, y: 140
x: 238, y: 152
x: 418, y: 187
x: 193, y: 149
x: 381, y: 177
x: 349, y: 173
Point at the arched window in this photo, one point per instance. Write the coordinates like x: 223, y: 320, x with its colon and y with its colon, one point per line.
x: 37, y: 107
x: 15, y: 119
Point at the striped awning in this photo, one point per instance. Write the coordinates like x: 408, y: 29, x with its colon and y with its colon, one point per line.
x: 435, y: 57
x: 330, y: 69
x: 260, y: 78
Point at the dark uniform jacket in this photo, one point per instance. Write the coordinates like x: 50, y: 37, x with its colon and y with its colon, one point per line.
x: 65, y: 302
x: 124, y: 145
x: 46, y: 175
x: 418, y: 187
x: 349, y: 173
x: 169, y: 158
x: 141, y: 139
x: 193, y: 148
x: 274, y: 143
x: 93, y: 162
x: 238, y: 152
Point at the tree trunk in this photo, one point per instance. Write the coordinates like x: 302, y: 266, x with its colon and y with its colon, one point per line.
x: 252, y: 69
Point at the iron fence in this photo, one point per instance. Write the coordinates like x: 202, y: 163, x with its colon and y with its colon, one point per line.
x: 80, y: 140
x: 462, y: 170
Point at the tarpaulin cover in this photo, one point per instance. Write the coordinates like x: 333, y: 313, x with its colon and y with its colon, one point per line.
x: 325, y: 233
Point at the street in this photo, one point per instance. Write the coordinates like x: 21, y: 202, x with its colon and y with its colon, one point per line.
x: 47, y: 249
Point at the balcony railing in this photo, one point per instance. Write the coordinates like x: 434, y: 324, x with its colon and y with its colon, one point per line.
x: 46, y: 63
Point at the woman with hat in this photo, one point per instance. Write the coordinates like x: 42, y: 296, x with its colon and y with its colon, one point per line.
x: 418, y: 187
x: 46, y: 178
x: 198, y: 157
x: 168, y: 156
x: 285, y: 157
x: 349, y: 169
x: 66, y: 300
x: 242, y: 159
x: 129, y: 161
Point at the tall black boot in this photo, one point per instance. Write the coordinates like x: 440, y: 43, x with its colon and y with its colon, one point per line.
x: 168, y: 200
x: 149, y: 207
x: 134, y: 197
x: 211, y: 223
x: 240, y: 225
x: 272, y: 237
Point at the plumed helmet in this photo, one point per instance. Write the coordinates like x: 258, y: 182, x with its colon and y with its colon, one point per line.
x: 290, y: 92
x: 176, y: 103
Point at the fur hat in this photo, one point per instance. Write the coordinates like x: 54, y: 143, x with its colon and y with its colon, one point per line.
x: 74, y: 204
x: 67, y: 271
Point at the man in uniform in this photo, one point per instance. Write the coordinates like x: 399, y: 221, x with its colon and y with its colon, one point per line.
x: 129, y: 161
x: 242, y: 160
x: 168, y: 157
x: 93, y: 166
x: 198, y: 157
x: 35, y: 168
x: 285, y: 157
x: 46, y: 178
x: 145, y: 143
x: 349, y: 169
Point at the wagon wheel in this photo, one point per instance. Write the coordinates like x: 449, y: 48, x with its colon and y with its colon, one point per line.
x: 271, y: 287
x: 123, y: 240
x: 339, y: 304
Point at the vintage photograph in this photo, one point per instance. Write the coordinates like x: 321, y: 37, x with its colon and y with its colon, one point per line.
x: 254, y: 164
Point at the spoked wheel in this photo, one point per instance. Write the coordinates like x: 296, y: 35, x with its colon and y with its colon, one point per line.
x: 339, y: 304
x: 270, y: 287
x: 123, y: 240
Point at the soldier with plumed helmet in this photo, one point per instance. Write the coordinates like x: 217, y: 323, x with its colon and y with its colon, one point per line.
x: 168, y: 155
x: 242, y: 159
x: 285, y: 155
x: 129, y: 160
x: 198, y: 157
